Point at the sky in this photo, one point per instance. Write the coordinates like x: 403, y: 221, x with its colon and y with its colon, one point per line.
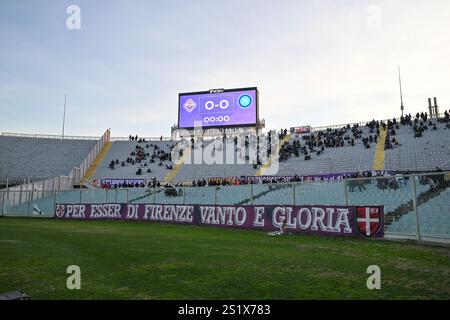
x: 315, y: 63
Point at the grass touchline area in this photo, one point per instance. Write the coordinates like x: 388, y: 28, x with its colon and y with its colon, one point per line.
x: 129, y: 260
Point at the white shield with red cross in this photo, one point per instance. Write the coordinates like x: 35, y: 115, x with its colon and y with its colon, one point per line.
x: 368, y: 220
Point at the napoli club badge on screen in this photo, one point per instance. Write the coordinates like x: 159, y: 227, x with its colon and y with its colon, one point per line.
x: 234, y: 107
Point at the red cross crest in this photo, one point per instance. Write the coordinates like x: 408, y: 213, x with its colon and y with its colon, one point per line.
x: 369, y: 220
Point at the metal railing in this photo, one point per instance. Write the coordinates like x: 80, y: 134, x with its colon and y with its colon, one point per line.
x: 363, y: 123
x: 47, y: 136
x: 42, y: 188
x: 87, y: 162
x: 58, y: 137
x: 147, y: 139
x: 313, y: 129
x: 416, y: 206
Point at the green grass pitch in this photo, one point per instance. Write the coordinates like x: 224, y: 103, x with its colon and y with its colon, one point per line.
x: 126, y: 260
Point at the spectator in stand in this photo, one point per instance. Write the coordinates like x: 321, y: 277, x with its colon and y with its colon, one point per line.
x: 360, y: 182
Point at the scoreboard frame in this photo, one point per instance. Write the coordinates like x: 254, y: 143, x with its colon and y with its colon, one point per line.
x: 213, y: 91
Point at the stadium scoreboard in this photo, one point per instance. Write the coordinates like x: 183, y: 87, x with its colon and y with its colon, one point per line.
x: 218, y: 108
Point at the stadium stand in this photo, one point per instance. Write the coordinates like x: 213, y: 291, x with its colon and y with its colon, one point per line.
x: 346, y: 158
x: 423, y: 153
x: 121, y: 150
x: 399, y: 146
x: 39, y: 158
x: 434, y: 217
x: 345, y: 149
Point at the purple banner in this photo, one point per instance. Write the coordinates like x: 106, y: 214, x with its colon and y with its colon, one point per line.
x: 107, y: 183
x: 233, y: 107
x: 367, y: 221
x: 318, y: 177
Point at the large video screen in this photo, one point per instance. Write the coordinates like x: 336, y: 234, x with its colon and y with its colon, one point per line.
x: 218, y: 108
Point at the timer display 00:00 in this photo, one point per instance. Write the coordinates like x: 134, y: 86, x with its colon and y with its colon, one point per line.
x: 213, y: 119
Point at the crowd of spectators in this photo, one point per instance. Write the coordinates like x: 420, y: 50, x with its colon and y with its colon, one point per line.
x: 357, y: 180
x: 316, y: 143
x: 144, y: 155
x: 124, y: 185
x: 305, y: 145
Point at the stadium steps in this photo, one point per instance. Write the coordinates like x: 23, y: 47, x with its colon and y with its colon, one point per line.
x: 262, y: 194
x: 98, y: 160
x: 404, y: 209
x: 379, y: 159
x: 148, y: 193
x: 269, y: 162
x: 173, y: 173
